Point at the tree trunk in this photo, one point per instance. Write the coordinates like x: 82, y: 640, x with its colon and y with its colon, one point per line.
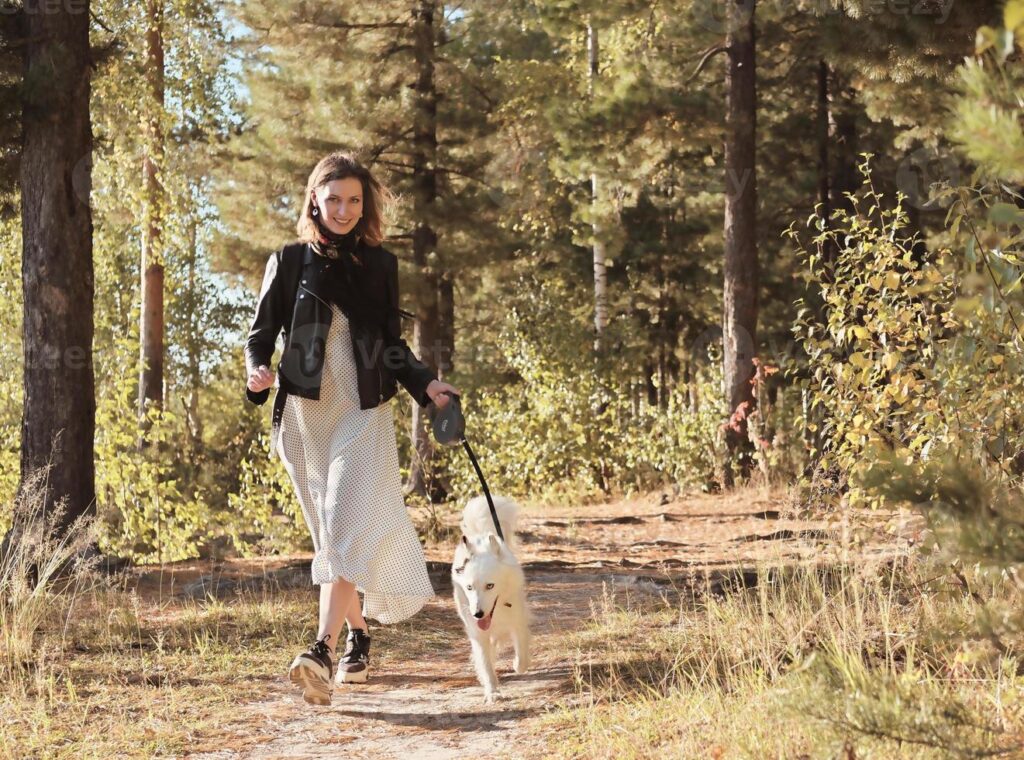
x: 843, y: 131
x: 692, y: 389
x: 600, y: 251
x: 426, y: 341
x: 823, y: 135
x: 740, y: 265
x: 151, y: 328
x: 193, y: 419
x: 59, y: 408
x: 672, y: 364
x: 446, y: 325
x: 445, y: 363
x: 650, y: 371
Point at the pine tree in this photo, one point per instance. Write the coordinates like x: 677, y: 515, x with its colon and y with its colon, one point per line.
x: 58, y: 421
x: 151, y: 359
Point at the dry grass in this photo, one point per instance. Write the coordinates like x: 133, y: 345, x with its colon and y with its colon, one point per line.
x: 137, y: 680
x: 810, y: 663
x: 42, y: 575
x: 142, y: 681
x: 89, y: 668
x: 841, y: 662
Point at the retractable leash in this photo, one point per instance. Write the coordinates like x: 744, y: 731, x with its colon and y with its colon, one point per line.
x: 450, y: 429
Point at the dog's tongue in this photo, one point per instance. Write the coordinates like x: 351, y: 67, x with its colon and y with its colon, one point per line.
x: 484, y: 623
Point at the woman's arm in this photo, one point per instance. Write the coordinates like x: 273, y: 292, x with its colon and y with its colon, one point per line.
x: 413, y: 374
x: 266, y: 324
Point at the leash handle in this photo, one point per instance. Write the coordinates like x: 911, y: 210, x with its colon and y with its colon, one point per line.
x: 449, y: 428
x: 448, y: 422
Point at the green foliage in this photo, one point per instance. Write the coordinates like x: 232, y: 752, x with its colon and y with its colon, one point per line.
x: 987, y: 120
x: 875, y: 341
x: 906, y: 706
x: 264, y: 516
x: 145, y: 514
x: 912, y: 350
x: 11, y: 357
x: 520, y: 128
x: 169, y: 502
x: 976, y: 528
x: 567, y: 427
x: 921, y: 371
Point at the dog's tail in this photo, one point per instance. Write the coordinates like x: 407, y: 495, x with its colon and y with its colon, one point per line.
x: 476, y: 518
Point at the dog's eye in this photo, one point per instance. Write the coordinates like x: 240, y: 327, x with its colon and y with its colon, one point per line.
x: 490, y: 586
x: 469, y: 588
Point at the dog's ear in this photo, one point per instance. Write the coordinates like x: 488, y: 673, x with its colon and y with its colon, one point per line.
x: 465, y: 542
x: 494, y: 543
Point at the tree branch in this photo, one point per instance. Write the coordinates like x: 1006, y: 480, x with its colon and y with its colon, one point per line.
x: 99, y: 21
x: 491, y: 102
x: 710, y: 53
x: 395, y: 24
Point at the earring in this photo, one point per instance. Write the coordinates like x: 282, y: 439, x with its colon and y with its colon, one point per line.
x: 315, y: 211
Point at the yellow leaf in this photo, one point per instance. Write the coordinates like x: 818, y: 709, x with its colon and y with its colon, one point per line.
x: 898, y: 394
x: 997, y: 359
x: 1013, y: 14
x: 859, y: 359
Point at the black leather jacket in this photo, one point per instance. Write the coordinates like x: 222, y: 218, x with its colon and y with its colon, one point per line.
x: 292, y: 299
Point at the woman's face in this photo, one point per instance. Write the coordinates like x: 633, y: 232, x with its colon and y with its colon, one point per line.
x: 341, y: 204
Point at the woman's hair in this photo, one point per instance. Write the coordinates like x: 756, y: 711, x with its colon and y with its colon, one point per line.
x: 377, y: 198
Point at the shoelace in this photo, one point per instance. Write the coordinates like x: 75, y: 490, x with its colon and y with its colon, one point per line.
x: 321, y: 648
x: 355, y: 652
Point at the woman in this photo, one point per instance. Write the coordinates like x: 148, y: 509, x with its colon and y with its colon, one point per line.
x: 335, y: 293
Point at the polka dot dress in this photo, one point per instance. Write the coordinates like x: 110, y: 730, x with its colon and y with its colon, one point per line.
x: 343, y: 461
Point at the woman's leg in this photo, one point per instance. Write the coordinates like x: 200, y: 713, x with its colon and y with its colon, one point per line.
x: 335, y: 604
x: 354, y: 617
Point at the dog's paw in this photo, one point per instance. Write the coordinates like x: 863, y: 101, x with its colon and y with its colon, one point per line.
x: 491, y: 697
x: 521, y: 664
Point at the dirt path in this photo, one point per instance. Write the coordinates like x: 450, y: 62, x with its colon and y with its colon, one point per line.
x: 431, y: 706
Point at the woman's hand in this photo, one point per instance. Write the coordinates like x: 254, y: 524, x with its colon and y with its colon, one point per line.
x: 260, y: 379
x: 438, y: 392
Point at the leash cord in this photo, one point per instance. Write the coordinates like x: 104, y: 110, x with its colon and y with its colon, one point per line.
x: 487, y: 492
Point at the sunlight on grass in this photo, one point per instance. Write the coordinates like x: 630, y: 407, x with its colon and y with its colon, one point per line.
x: 812, y: 662
x: 93, y: 670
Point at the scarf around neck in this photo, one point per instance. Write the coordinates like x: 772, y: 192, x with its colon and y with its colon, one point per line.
x: 332, y: 245
x: 344, y: 275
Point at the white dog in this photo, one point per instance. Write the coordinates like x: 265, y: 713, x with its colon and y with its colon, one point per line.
x: 490, y: 589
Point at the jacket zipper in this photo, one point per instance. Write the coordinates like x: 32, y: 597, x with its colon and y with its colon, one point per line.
x: 315, y: 296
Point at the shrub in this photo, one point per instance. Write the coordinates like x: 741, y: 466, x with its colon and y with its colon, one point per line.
x: 566, y: 426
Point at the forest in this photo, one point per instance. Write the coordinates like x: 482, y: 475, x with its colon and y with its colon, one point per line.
x: 731, y: 291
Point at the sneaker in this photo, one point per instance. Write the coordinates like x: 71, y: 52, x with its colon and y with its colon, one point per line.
x: 313, y: 671
x: 354, y: 666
